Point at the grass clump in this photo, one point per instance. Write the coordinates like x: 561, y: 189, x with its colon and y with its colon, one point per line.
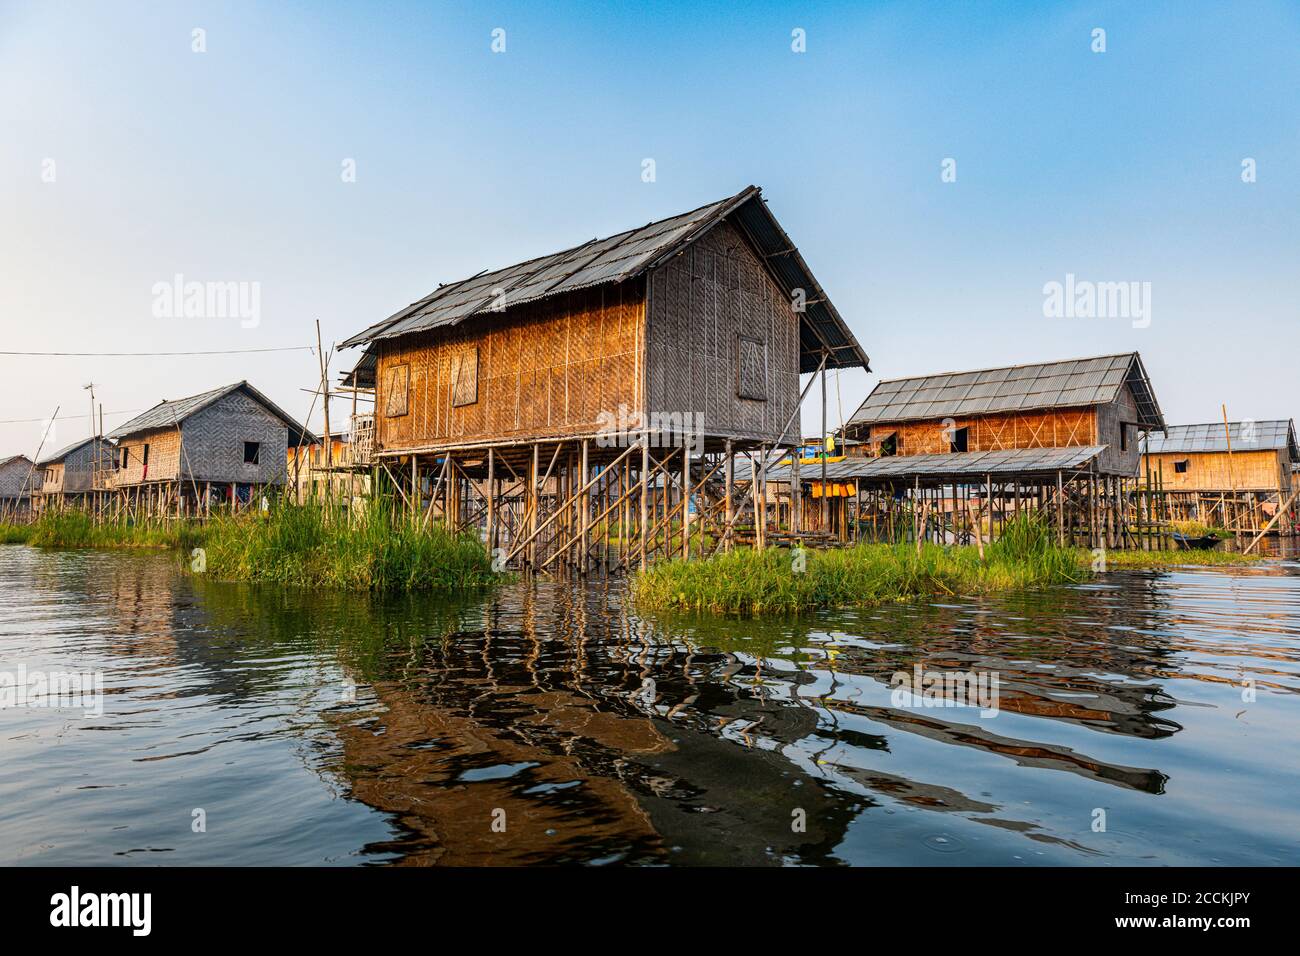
x: 312, y: 546
x: 15, y: 533
x: 1182, y: 557
x: 759, y: 582
x: 76, y: 529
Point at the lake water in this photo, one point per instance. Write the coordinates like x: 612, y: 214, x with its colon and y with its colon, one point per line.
x: 1148, y: 718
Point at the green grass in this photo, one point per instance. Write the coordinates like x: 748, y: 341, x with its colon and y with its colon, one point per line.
x: 301, y: 545
x: 1195, y: 529
x: 15, y: 533
x: 75, y: 529
x: 765, y: 582
x: 1126, y: 560
x: 311, y: 546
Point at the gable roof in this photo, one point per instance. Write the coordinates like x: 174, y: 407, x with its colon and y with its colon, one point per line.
x: 169, y: 414
x: 1013, y: 388
x: 1276, y: 434
x: 6, y: 462
x: 55, y: 457
x: 628, y: 255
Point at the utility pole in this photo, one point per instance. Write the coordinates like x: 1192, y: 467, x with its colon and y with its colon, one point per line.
x: 94, y: 448
x: 325, y: 391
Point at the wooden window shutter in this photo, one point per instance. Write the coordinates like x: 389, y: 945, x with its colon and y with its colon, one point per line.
x: 396, y: 391
x: 464, y: 377
x: 751, y: 368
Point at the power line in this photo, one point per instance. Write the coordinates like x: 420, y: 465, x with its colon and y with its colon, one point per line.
x: 62, y: 418
x: 290, y: 348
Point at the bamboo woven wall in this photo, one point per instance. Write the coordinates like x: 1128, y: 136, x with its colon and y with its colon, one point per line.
x: 1060, y: 428
x: 701, y: 302
x: 1121, y: 413
x: 17, y: 478
x: 164, y: 457
x: 546, y: 369
x: 75, y: 473
x: 212, y: 448
x: 1260, y: 470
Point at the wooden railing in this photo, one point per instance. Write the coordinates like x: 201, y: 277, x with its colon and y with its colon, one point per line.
x: 362, y: 439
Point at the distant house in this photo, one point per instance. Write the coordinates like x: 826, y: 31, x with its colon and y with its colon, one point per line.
x: 17, y: 478
x: 313, y: 472
x: 72, y: 473
x: 1236, y: 474
x: 1055, y: 438
x: 218, y: 445
x: 1081, y: 414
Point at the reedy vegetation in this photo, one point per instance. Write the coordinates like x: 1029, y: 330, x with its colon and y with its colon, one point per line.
x: 763, y: 582
x: 302, y: 545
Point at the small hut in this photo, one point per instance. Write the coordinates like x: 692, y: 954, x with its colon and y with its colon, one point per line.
x: 609, y: 384
x: 18, y: 475
x: 1234, y: 475
x: 219, y: 446
x: 74, y: 475
x: 1060, y: 439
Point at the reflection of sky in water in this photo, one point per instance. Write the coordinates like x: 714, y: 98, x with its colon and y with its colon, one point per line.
x: 600, y: 737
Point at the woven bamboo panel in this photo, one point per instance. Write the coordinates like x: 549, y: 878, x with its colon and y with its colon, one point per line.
x: 546, y: 369
x: 1213, y: 471
x: 164, y: 457
x: 1056, y: 429
x: 702, y: 302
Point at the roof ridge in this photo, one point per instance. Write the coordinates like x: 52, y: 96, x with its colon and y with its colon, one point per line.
x: 999, y: 368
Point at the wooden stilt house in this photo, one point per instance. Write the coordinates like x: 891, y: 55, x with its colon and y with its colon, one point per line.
x: 73, y: 475
x: 1057, y: 438
x: 218, y: 447
x: 627, y: 370
x: 18, y: 476
x: 1234, y: 475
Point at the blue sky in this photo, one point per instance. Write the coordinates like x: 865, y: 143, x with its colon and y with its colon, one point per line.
x: 225, y: 166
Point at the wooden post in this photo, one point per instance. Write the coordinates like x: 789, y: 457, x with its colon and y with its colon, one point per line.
x: 729, y: 512
x: 796, y: 493
x: 645, y: 497
x: 826, y: 501
x: 492, y: 501
x: 584, y: 503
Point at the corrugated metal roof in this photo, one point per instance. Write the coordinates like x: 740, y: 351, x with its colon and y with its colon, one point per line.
x: 1071, y: 383
x: 62, y: 453
x: 625, y: 256
x: 1246, y: 436
x: 169, y: 414
x: 1020, y: 461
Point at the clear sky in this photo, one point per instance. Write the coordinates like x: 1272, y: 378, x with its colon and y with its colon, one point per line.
x: 126, y: 158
